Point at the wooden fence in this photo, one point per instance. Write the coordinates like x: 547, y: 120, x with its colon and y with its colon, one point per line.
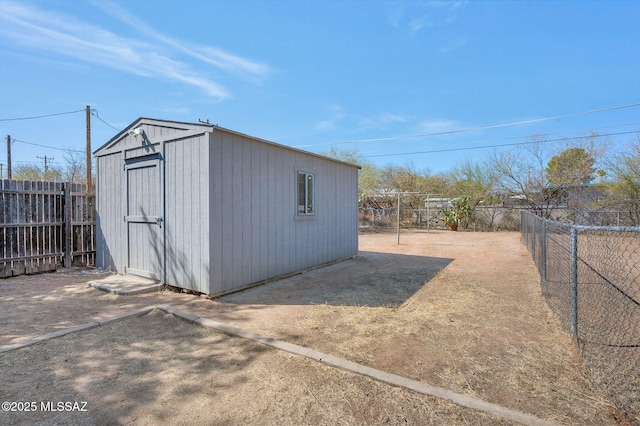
x: 44, y: 225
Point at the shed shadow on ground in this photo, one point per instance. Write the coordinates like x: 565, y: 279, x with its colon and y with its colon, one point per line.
x: 120, y: 368
x: 370, y: 279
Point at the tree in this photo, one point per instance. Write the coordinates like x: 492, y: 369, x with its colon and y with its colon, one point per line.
x: 624, y: 189
x: 472, y: 180
x: 544, y: 181
x: 407, y: 179
x: 573, y: 166
x: 347, y: 155
x: 33, y: 172
x: 476, y: 182
x: 520, y: 175
x: 75, y: 170
x: 570, y: 175
x: 369, y: 176
x: 436, y: 185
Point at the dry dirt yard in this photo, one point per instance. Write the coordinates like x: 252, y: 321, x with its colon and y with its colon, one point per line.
x: 462, y: 311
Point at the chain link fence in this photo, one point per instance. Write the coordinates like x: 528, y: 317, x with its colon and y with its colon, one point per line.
x: 599, y: 217
x: 485, y: 218
x: 590, y: 277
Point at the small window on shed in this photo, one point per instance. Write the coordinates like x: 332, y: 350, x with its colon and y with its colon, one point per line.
x: 305, y: 193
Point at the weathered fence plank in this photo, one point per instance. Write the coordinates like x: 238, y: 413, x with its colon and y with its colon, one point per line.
x: 44, y: 225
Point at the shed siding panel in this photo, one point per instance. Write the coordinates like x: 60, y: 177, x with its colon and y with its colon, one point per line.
x: 261, y: 222
x: 203, y: 214
x: 255, y: 233
x: 286, y: 189
x: 286, y: 186
x: 238, y: 210
x: 173, y: 199
x: 253, y: 226
x: 217, y: 182
x: 274, y: 237
x: 111, y: 231
x: 187, y: 214
x: 226, y: 243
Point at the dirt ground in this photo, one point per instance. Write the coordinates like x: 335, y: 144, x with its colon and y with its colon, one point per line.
x: 462, y: 311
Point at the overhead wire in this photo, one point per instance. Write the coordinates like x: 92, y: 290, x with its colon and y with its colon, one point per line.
x: 498, y: 145
x: 45, y: 146
x: 494, y: 126
x: 473, y: 129
x: 588, y: 132
x: 41, y: 116
x: 34, y: 162
x: 34, y: 117
x: 95, y: 113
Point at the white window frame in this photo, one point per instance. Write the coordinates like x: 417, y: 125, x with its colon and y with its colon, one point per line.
x: 307, y: 205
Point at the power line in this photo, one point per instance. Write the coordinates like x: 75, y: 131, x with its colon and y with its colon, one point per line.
x: 473, y: 129
x: 41, y: 116
x: 45, y: 146
x: 591, y: 132
x: 32, y: 162
x: 95, y: 112
x: 496, y: 145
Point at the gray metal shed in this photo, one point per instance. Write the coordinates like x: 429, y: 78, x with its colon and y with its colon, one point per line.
x: 205, y: 208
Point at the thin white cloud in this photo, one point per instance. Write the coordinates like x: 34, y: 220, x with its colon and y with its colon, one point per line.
x: 438, y: 126
x: 432, y: 15
x: 45, y: 31
x: 325, y: 124
x: 336, y: 114
x: 418, y: 23
x: 217, y: 57
x: 380, y: 121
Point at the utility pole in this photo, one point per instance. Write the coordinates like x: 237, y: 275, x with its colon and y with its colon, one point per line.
x: 88, y: 149
x: 9, y: 157
x: 46, y: 165
x: 1, y: 174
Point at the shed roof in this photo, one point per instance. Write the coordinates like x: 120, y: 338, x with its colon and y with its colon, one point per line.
x: 206, y: 127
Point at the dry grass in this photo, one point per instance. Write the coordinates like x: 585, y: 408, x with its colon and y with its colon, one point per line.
x: 461, y: 311
x: 159, y: 370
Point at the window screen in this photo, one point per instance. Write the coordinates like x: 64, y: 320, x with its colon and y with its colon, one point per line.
x: 306, y: 193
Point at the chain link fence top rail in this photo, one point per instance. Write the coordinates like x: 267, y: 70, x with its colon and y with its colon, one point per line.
x: 590, y: 277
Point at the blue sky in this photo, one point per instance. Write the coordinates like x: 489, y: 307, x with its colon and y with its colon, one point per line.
x: 390, y: 75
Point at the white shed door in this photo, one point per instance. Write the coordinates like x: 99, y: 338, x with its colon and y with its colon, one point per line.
x: 145, y: 228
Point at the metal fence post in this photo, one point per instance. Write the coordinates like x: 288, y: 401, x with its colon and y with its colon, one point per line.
x: 543, y: 251
x: 533, y: 242
x: 398, y: 219
x: 428, y: 212
x: 524, y: 230
x: 574, y: 282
